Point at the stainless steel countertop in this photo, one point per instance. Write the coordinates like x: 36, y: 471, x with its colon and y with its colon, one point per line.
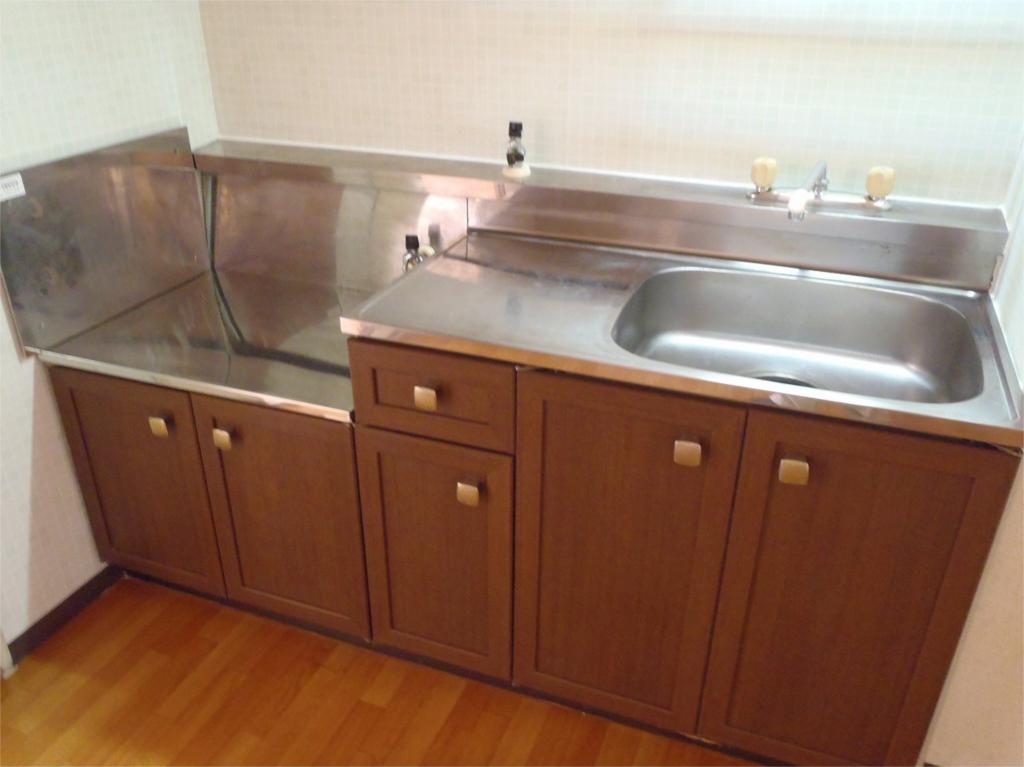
x: 553, y: 305
x: 243, y: 336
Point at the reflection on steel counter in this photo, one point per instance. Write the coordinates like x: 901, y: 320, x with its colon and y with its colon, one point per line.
x: 126, y: 261
x: 276, y: 339
x: 324, y: 232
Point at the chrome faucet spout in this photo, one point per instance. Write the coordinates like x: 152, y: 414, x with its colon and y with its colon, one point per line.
x: 817, y: 184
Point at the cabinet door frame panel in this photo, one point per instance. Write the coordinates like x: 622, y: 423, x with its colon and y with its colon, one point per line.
x: 498, y: 470
x: 211, y: 412
x: 168, y: 401
x: 992, y: 473
x: 722, y: 428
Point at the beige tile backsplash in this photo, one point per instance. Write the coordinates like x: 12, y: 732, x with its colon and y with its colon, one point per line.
x: 685, y: 88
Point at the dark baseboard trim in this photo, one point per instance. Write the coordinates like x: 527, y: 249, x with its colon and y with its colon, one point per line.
x: 52, y: 622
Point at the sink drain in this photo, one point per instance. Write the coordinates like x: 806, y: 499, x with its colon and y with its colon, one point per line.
x: 785, y: 379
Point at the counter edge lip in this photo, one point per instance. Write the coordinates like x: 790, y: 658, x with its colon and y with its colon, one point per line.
x: 1009, y: 435
x: 195, y: 386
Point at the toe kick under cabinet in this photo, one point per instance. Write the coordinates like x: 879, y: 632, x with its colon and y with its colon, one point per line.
x: 789, y: 585
x: 225, y: 498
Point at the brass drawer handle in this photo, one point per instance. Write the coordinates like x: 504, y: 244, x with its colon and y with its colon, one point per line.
x: 425, y: 398
x: 687, y: 452
x: 794, y: 471
x: 467, y: 493
x: 222, y: 439
x: 159, y: 426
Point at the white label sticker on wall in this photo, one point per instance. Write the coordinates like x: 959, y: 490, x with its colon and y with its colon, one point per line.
x: 11, y: 186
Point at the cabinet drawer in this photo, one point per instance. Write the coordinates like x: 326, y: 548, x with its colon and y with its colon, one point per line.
x: 447, y: 396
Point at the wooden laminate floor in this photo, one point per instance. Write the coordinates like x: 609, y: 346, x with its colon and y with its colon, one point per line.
x: 148, y: 675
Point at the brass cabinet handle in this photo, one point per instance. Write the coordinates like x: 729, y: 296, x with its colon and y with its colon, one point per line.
x: 467, y: 493
x: 687, y: 452
x: 794, y: 471
x: 158, y: 426
x: 425, y: 398
x: 222, y: 439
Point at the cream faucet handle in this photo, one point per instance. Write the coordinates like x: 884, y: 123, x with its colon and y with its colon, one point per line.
x: 881, y: 180
x: 763, y: 171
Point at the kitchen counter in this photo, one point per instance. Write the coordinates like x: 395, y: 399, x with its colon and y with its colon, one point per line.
x: 247, y: 337
x: 554, y: 305
x: 323, y: 218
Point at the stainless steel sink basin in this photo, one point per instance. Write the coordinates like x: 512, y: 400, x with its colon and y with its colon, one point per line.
x: 837, y: 336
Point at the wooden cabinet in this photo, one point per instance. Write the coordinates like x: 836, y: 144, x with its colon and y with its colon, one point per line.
x: 438, y: 522
x: 286, y: 506
x: 621, y: 523
x: 820, y: 634
x: 285, y: 502
x: 135, y: 452
x: 843, y: 598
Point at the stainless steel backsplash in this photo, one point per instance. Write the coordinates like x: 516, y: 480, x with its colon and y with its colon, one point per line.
x: 329, y: 233
x: 98, y: 234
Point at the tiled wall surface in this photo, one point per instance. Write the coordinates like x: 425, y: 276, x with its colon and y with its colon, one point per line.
x: 73, y: 76
x: 691, y: 88
x: 77, y: 75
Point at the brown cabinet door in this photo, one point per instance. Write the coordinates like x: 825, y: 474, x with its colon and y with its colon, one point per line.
x: 843, y: 598
x: 619, y: 543
x: 142, y: 481
x: 439, y: 557
x: 286, y: 504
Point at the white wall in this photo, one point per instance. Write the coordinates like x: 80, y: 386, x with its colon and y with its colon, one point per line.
x: 980, y: 718
x: 1009, y: 289
x: 688, y: 88
x: 73, y: 76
